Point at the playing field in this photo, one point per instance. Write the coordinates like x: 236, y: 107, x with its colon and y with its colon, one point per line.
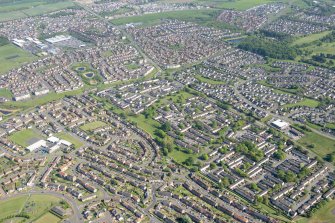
x: 34, y: 206
x: 49, y: 218
x: 25, y: 137
x: 305, y: 102
x: 322, y: 144
x: 310, y: 38
x: 93, y: 125
x: 12, y: 57
x: 23, y: 8
x: 155, y: 18
x: 237, y: 4
x: 76, y: 142
x: 325, y: 215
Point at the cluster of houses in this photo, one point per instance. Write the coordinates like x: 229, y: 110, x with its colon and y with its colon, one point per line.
x: 174, y: 43
x: 263, y: 177
x: 140, y: 95
x: 114, y: 10
x: 251, y: 19
x: 294, y: 27
x: 265, y: 97
x: 195, y: 122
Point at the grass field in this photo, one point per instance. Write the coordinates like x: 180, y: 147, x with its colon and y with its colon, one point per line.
x: 24, y: 137
x: 12, y: 57
x: 324, y: 215
x: 180, y: 156
x: 322, y: 144
x: 24, y: 8
x: 53, y: 96
x: 76, y: 142
x: 155, y: 18
x: 310, y: 38
x: 93, y: 125
x: 49, y: 218
x: 236, y: 4
x: 12, y: 206
x: 207, y: 80
x: 305, y: 102
x: 5, y: 93
x: 35, y: 205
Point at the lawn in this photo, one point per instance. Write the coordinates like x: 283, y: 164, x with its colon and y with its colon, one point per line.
x: 237, y: 4
x: 305, y: 102
x: 5, y: 93
x: 48, y: 217
x: 92, y: 125
x: 53, y: 96
x: 12, y: 206
x: 310, y: 38
x: 148, y: 125
x: 23, y: 8
x: 325, y: 214
x: 35, y: 205
x: 179, y: 156
x: 12, y: 57
x: 322, y: 144
x: 24, y: 137
x: 208, y: 80
x: 76, y: 142
x: 155, y: 18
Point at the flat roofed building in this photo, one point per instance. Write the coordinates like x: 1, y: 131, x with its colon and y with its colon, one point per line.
x: 279, y: 124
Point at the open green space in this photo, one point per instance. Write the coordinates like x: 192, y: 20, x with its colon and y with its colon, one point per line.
x: 321, y: 145
x: 155, y: 18
x: 23, y: 8
x: 24, y: 137
x: 93, y: 125
x: 5, y: 93
x: 12, y: 56
x: 236, y: 4
x: 148, y: 125
x: 49, y: 218
x: 180, y: 156
x: 305, y: 102
x: 325, y: 214
x: 33, y: 206
x: 310, y: 38
x: 36, y: 101
x: 208, y: 80
x: 76, y: 142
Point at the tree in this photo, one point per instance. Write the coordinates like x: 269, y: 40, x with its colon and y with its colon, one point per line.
x: 166, y: 126
x: 280, y: 155
x: 189, y: 161
x: 204, y: 156
x: 184, y: 219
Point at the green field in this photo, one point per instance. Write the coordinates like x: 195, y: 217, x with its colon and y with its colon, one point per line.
x: 24, y: 137
x: 53, y: 96
x: 305, y: 102
x: 155, y: 18
x: 76, y: 142
x: 23, y: 8
x: 35, y: 206
x: 180, y: 156
x: 12, y: 57
x: 208, y: 80
x: 310, y: 38
x: 325, y: 215
x: 322, y: 144
x: 93, y: 125
x: 5, y: 93
x: 236, y: 4
x: 49, y: 218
